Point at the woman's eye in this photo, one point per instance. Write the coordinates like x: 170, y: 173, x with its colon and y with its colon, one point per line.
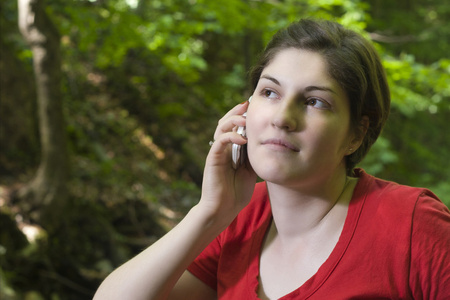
x: 317, y: 103
x: 269, y: 94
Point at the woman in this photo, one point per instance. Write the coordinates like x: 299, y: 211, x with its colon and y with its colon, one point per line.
x: 315, y: 228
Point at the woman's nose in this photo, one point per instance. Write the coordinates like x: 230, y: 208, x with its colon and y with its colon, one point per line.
x: 287, y: 115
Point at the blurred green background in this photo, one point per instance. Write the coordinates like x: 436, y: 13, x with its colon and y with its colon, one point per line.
x: 142, y: 85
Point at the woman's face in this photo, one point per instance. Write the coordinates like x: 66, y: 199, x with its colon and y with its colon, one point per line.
x: 298, y: 122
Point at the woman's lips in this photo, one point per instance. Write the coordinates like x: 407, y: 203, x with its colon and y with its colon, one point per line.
x: 281, y: 143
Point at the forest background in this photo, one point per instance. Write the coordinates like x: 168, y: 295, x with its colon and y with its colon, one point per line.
x: 107, y: 111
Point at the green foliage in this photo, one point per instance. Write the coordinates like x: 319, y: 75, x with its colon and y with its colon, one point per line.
x: 418, y: 87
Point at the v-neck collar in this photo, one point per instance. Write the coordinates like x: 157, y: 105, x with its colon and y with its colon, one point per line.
x: 326, y: 269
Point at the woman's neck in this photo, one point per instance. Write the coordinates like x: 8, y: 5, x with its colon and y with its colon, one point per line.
x: 300, y: 211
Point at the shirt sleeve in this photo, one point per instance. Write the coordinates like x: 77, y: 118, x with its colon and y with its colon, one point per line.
x: 430, y: 249
x: 205, y: 266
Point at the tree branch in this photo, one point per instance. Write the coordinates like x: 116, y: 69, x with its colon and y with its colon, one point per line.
x: 377, y: 37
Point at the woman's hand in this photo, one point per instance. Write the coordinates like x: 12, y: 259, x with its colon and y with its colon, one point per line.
x: 226, y: 191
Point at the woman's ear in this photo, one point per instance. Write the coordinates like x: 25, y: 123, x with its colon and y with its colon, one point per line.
x: 360, y: 133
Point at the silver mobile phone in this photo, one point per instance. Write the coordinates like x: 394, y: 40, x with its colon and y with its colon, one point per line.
x: 238, y: 152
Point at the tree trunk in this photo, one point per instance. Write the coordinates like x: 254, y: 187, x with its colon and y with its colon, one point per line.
x: 49, y: 184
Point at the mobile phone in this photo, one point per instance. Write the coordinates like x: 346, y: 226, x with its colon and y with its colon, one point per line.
x: 238, y: 152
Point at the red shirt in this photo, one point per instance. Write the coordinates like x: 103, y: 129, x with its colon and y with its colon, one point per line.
x: 395, y: 244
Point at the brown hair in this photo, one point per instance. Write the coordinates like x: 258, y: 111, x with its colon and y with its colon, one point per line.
x: 352, y: 61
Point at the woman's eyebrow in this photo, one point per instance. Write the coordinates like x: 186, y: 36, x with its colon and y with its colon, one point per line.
x: 307, y: 89
x: 320, y: 88
x: 268, y: 77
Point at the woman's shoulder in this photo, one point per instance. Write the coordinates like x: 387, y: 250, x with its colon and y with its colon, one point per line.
x: 399, y: 226
x: 392, y: 193
x: 402, y: 206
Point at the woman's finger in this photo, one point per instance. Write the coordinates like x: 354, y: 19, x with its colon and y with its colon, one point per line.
x: 225, y: 139
x: 231, y: 120
x: 229, y: 124
x: 237, y: 110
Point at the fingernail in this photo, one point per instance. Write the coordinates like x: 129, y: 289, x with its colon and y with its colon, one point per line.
x: 244, y: 102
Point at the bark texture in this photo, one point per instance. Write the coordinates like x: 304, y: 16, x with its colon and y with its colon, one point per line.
x: 49, y: 184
